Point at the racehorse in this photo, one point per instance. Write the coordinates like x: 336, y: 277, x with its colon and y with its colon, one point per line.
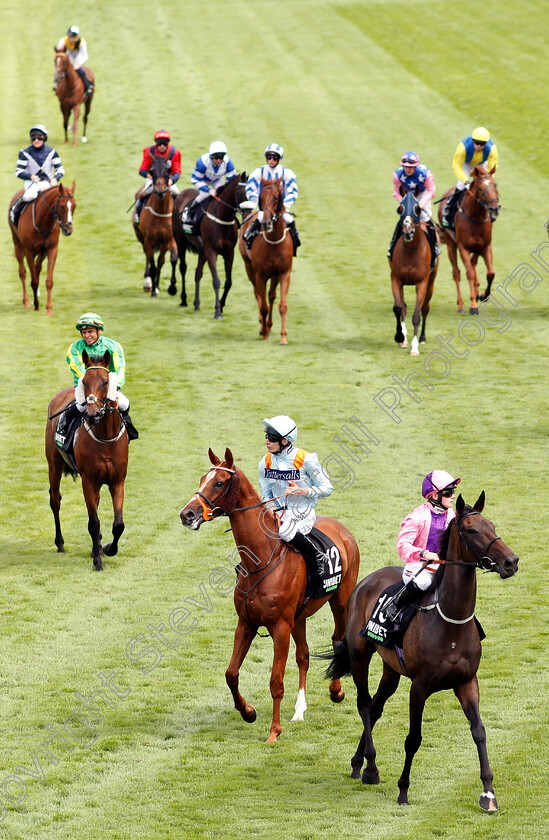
x: 100, y: 452
x: 218, y: 235
x: 441, y: 647
x: 410, y: 266
x: 271, y: 583
x: 477, y: 212
x: 37, y: 236
x: 270, y: 256
x: 70, y: 91
x: 154, y: 230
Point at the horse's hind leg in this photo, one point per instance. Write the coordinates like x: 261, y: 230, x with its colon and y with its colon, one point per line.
x: 490, y: 273
x: 34, y: 268
x: 399, y: 310
x: 216, y: 283
x: 197, y: 279
x: 55, y: 464
x: 172, y: 288
x: 388, y: 684
x: 228, y: 259
x: 20, y: 257
x: 281, y: 642
x: 365, y: 747
x: 117, y: 494
x: 52, y: 257
x: 283, y: 306
x: 243, y: 638
x: 468, y: 696
x: 418, y: 696
x: 299, y: 634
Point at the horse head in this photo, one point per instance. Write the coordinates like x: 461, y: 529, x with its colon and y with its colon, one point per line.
x: 97, y: 388
x: 410, y: 211
x: 160, y: 175
x: 479, y: 544
x: 485, y: 191
x: 62, y: 64
x: 271, y: 202
x: 233, y: 192
x: 216, y: 495
x: 64, y: 208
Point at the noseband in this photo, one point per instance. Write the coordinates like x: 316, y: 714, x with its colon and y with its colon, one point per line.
x: 208, y: 507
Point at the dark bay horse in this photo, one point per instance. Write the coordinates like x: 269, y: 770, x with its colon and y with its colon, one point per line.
x: 100, y: 452
x: 441, y: 648
x: 218, y: 235
x: 477, y: 212
x: 154, y: 230
x: 37, y: 236
x: 271, y: 583
x: 270, y: 257
x: 70, y: 92
x: 410, y: 266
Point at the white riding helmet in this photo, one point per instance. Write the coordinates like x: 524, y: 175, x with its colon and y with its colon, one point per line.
x: 275, y: 149
x: 283, y: 426
x: 73, y: 30
x: 218, y: 148
x: 39, y: 129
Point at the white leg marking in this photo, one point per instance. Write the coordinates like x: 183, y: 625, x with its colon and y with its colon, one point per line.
x: 300, y: 706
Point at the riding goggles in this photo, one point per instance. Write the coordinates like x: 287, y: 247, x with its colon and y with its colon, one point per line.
x: 272, y: 437
x: 271, y: 156
x: 448, y: 492
x: 479, y: 142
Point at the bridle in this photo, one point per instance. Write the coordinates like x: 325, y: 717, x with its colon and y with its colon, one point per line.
x: 54, y: 211
x: 480, y: 553
x: 107, y: 407
x: 209, y: 508
x: 491, y: 206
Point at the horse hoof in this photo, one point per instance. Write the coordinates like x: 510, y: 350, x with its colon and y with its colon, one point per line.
x: 61, y: 549
x: 98, y: 567
x: 403, y: 343
x: 337, y: 696
x: 414, y: 352
x: 154, y: 293
x: 369, y: 778
x: 250, y: 716
x: 399, y: 338
x: 473, y: 310
x: 284, y: 341
x: 147, y: 285
x: 461, y: 310
x: 488, y: 802
x: 110, y: 550
x: 355, y: 773
x: 218, y: 317
x: 172, y: 290
x: 273, y: 738
x: 183, y: 303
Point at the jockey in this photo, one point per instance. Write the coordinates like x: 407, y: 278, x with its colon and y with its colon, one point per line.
x: 210, y: 170
x: 162, y: 148
x: 419, y: 537
x: 39, y: 166
x: 90, y: 326
x: 296, y: 475
x: 77, y: 50
x: 475, y: 150
x: 409, y: 175
x: 271, y: 170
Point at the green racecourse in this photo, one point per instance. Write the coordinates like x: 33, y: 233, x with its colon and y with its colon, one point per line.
x: 345, y: 88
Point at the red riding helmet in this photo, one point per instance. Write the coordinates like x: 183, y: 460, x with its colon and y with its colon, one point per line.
x: 162, y: 134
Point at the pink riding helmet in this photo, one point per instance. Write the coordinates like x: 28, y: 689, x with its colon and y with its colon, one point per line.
x: 436, y: 481
x: 409, y: 159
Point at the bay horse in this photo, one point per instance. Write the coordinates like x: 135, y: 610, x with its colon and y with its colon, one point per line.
x: 271, y: 583
x: 100, y: 452
x: 218, y: 235
x: 411, y: 266
x: 154, y: 230
x: 441, y: 648
x: 270, y: 256
x: 473, y: 222
x: 70, y: 92
x: 36, y: 236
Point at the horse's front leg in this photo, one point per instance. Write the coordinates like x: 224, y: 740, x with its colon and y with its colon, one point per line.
x: 52, y: 257
x: 272, y: 297
x: 399, y: 309
x: 34, y: 268
x: 490, y: 273
x: 55, y: 463
x: 75, y: 122
x: 456, y: 274
x: 197, y: 279
x: 260, y: 289
x: 117, y: 495
x: 66, y: 116
x: 418, y: 696
x: 20, y: 257
x: 159, y: 264
x: 472, y: 278
x: 91, y: 495
x: 283, y: 305
x: 228, y: 259
x: 281, y: 640
x: 243, y: 638
x: 299, y: 634
x: 468, y: 695
x: 216, y: 283
x: 172, y: 288
x: 416, y: 317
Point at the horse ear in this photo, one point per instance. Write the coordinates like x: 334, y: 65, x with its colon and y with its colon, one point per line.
x: 85, y: 358
x: 73, y: 187
x: 229, y: 460
x: 491, y: 171
x: 401, y: 190
x: 107, y: 358
x: 55, y: 49
x: 479, y: 504
x: 460, y: 505
x: 213, y: 457
x: 416, y: 192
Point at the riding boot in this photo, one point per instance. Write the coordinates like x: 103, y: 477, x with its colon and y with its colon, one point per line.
x: 138, y: 208
x: 88, y: 86
x: 67, y: 424
x: 408, y: 592
x: 451, y: 208
x: 15, y: 211
x: 252, y: 232
x: 295, y: 236
x: 396, y: 234
x: 131, y: 431
x: 306, y: 547
x: 433, y: 242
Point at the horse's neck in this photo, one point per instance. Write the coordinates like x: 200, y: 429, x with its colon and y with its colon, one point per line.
x: 109, y: 425
x: 161, y: 203
x: 458, y: 590
x: 43, y: 205
x: 255, y: 531
x: 223, y: 208
x: 472, y: 206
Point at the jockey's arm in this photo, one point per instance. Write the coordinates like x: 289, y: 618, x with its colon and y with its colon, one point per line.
x: 429, y: 191
x: 492, y: 160
x: 320, y: 485
x: 458, y: 161
x: 82, y: 56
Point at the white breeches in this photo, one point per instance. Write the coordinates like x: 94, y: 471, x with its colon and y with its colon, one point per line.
x: 288, y: 218
x: 468, y: 168
x: 422, y: 580
x: 202, y: 196
x: 426, y: 213
x: 32, y: 188
x: 300, y: 518
x: 148, y: 188
x: 123, y: 402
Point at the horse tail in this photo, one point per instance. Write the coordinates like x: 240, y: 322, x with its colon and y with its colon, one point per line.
x: 339, y: 661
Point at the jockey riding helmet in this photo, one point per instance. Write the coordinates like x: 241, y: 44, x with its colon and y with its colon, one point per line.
x: 218, y: 148
x: 281, y: 426
x: 275, y: 149
x: 39, y: 131
x: 162, y: 134
x: 90, y: 319
x: 436, y: 482
x: 409, y: 159
x: 74, y: 31
x: 481, y: 134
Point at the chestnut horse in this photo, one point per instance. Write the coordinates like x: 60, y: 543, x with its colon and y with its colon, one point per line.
x: 272, y: 581
x: 37, y: 236
x: 154, y: 230
x: 218, y: 235
x: 473, y: 221
x: 441, y: 647
x: 411, y: 266
x: 270, y: 256
x: 100, y: 452
x: 70, y: 92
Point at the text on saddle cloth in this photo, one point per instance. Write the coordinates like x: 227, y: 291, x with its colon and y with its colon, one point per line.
x: 324, y: 581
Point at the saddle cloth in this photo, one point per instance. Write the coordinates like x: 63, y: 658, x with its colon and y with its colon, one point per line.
x: 323, y: 582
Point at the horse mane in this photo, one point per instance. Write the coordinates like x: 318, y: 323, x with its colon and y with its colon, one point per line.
x: 445, y: 539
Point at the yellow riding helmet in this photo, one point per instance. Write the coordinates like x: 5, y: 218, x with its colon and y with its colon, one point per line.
x: 481, y: 134
x: 90, y: 319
